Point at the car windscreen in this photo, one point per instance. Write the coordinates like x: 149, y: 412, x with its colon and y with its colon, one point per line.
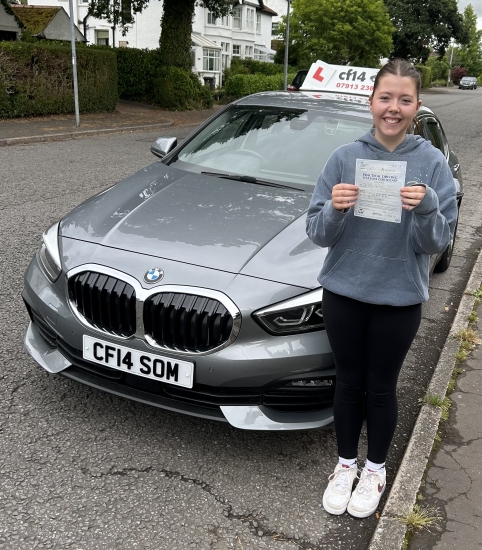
x: 270, y: 143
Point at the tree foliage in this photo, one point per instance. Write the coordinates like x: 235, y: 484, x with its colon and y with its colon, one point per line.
x: 439, y: 67
x: 337, y: 31
x: 470, y: 54
x: 425, y: 25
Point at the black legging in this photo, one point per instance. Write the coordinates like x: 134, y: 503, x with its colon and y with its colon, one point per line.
x: 369, y: 344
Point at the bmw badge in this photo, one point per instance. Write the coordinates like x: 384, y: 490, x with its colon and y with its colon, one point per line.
x: 154, y: 275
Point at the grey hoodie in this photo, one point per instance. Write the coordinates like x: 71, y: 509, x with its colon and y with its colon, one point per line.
x: 376, y: 261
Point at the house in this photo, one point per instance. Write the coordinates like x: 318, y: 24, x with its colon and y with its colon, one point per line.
x: 246, y: 33
x: 48, y: 22
x: 10, y: 26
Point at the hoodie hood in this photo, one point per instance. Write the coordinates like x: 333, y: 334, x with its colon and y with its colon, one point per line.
x: 410, y: 143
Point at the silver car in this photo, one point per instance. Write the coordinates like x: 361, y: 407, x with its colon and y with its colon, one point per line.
x: 192, y: 285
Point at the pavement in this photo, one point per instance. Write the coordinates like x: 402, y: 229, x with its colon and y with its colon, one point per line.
x: 128, y: 117
x: 441, y: 468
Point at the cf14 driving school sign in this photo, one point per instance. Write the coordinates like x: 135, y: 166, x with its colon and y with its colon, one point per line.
x: 340, y: 78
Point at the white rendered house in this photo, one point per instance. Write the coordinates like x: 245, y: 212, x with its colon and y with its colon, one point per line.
x: 246, y: 33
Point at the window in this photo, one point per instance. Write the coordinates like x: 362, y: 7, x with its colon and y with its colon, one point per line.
x: 225, y: 47
x: 211, y: 19
x: 250, y: 19
x: 236, y: 50
x: 226, y: 21
x: 248, y: 51
x: 210, y: 60
x: 274, y: 29
x: 102, y: 38
x: 258, y: 22
x: 237, y: 18
x: 435, y: 135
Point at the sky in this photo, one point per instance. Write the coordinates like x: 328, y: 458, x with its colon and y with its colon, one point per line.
x: 477, y: 5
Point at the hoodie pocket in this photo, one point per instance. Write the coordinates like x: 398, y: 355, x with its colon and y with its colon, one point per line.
x: 372, y: 278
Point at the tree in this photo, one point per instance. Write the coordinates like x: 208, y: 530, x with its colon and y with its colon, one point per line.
x: 470, y: 54
x: 357, y: 32
x: 439, y: 67
x: 176, y: 24
x: 424, y: 25
x: 457, y: 74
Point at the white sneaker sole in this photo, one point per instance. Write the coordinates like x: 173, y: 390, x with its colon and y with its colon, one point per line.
x: 333, y: 511
x: 365, y: 513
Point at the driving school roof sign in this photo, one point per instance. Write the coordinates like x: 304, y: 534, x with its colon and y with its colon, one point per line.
x: 340, y: 78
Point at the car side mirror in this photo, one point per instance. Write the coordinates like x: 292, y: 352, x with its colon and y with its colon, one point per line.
x: 162, y: 146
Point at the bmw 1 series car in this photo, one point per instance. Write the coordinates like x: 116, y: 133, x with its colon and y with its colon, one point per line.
x: 192, y: 285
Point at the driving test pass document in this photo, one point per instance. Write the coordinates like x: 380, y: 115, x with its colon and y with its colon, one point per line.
x: 379, y: 183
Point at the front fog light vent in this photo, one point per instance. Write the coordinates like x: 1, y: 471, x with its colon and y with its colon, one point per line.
x: 317, y: 383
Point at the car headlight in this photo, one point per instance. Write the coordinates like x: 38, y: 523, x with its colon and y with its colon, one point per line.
x: 300, y: 314
x: 49, y: 254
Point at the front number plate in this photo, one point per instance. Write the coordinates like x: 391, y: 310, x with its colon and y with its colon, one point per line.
x: 147, y: 365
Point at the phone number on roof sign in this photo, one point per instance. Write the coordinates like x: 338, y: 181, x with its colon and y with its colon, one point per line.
x: 364, y: 87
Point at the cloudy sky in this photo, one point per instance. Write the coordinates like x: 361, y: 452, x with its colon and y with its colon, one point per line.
x: 477, y: 5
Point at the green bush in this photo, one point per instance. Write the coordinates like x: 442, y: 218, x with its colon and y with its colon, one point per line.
x: 251, y: 66
x: 245, y: 84
x: 37, y: 79
x: 178, y: 89
x: 479, y: 80
x: 137, y: 70
x: 439, y: 83
x: 426, y: 75
x: 439, y: 67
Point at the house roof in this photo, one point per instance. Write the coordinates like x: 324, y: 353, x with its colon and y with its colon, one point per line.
x: 265, y: 8
x: 35, y: 18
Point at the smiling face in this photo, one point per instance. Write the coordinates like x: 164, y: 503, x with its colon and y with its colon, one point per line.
x: 393, y: 104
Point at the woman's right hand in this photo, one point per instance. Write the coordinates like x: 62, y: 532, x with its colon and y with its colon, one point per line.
x: 344, y: 195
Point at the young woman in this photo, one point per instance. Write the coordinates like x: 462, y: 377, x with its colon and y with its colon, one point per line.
x: 375, y: 276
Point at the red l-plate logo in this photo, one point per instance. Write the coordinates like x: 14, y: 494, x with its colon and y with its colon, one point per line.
x: 317, y: 75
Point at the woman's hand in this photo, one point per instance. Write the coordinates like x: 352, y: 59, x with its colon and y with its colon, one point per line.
x: 344, y: 195
x: 412, y: 195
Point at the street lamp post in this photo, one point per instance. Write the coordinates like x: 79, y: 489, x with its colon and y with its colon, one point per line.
x: 287, y: 39
x: 450, y: 65
x: 74, y: 63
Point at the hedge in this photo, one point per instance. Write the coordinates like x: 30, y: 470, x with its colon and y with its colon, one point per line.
x: 252, y: 66
x: 137, y: 70
x: 244, y: 84
x: 37, y: 79
x: 179, y: 89
x: 141, y: 77
x: 479, y: 80
x: 426, y: 74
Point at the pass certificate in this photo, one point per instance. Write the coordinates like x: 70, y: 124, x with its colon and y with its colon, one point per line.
x: 379, y: 183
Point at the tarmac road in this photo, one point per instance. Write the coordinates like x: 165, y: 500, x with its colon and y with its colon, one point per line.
x: 85, y: 470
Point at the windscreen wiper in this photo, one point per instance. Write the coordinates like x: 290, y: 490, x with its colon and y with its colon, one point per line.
x: 251, y: 179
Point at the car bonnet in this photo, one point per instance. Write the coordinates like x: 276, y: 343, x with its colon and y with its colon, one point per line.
x: 197, y: 219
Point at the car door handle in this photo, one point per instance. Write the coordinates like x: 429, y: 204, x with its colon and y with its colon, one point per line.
x: 456, y: 167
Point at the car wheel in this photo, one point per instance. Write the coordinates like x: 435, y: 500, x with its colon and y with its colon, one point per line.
x: 445, y: 259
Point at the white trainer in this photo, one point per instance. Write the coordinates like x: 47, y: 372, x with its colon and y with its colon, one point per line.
x: 366, y: 497
x: 337, y: 494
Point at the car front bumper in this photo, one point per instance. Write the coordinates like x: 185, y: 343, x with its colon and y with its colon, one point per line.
x: 252, y: 379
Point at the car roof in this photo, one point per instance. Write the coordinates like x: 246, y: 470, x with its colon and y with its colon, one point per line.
x: 300, y: 100
x: 337, y: 104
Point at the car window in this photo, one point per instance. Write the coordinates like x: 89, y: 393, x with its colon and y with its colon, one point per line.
x: 434, y: 133
x: 276, y: 144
